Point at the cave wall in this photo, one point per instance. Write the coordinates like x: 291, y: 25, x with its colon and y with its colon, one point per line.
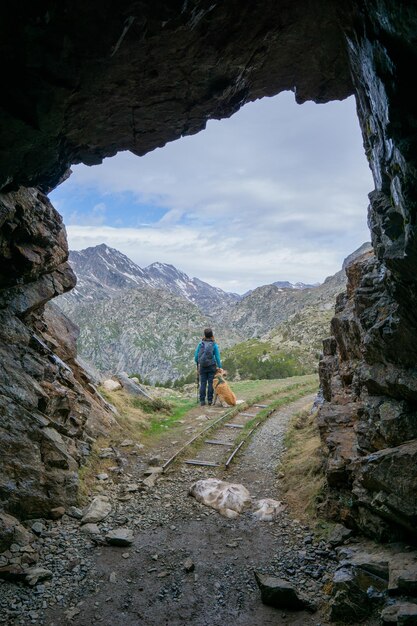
x: 82, y: 82
x: 49, y: 410
x: 369, y: 370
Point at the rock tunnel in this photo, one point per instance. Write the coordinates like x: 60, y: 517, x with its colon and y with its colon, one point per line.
x: 82, y: 81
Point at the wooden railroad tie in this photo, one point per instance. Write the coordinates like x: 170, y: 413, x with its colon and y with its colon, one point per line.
x: 234, y: 425
x: 198, y: 462
x: 261, y: 406
x: 217, y: 442
x: 248, y: 414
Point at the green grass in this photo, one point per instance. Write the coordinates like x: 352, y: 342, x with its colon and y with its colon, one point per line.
x: 298, y: 392
x: 302, y: 466
x: 158, y: 423
x: 255, y: 359
x: 256, y: 390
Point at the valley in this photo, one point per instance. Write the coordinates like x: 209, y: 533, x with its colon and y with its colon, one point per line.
x: 148, y: 321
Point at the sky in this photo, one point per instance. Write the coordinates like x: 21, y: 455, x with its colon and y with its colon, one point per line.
x: 279, y: 191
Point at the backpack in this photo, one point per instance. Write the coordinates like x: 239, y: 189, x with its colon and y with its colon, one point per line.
x: 206, y: 354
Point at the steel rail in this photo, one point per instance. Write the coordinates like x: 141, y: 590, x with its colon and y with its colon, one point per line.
x: 177, y: 454
x: 219, y: 420
x: 238, y: 447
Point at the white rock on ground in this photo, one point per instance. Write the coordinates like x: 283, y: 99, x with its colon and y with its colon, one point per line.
x: 268, y: 509
x: 120, y: 537
x: 226, y: 498
x: 99, y: 508
x: 111, y: 385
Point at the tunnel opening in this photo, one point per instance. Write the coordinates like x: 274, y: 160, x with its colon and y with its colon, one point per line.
x: 235, y: 206
x: 78, y: 90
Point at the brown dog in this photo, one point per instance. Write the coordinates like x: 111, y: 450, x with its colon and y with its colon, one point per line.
x: 222, y: 389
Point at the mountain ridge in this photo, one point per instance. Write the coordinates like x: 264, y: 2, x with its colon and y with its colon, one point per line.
x: 148, y: 320
x: 102, y: 272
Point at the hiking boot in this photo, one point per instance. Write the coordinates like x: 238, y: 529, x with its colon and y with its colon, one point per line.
x: 202, y: 404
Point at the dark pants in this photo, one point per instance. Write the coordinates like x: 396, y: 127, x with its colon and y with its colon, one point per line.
x: 206, y: 380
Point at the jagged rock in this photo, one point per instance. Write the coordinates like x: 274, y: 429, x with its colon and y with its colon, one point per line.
x: 339, y: 535
x: 403, y: 574
x: 366, y: 575
x: 350, y: 602
x: 97, y: 510
x: 45, y: 405
x: 34, y: 575
x: 384, y: 485
x: 400, y: 613
x: 132, y: 387
x: 75, y: 512
x: 120, y: 537
x: 12, y: 532
x: 90, y: 529
x: 150, y: 480
x: 38, y: 528
x: 12, y: 572
x: 281, y: 594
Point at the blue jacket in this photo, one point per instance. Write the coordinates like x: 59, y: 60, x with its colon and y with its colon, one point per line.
x: 216, y: 354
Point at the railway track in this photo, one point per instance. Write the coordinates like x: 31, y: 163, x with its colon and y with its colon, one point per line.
x: 219, y: 443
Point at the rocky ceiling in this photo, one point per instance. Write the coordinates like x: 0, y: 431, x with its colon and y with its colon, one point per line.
x: 81, y: 81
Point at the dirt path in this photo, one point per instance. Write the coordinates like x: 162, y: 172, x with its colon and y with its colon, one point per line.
x: 146, y: 584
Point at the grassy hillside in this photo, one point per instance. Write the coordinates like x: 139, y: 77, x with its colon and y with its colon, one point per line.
x: 255, y: 359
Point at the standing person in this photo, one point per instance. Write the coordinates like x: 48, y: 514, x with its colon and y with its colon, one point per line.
x: 207, y: 357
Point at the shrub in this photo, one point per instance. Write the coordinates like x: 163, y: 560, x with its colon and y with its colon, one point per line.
x: 156, y: 405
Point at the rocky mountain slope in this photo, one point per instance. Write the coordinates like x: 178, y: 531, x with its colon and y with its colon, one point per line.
x: 149, y: 320
x: 103, y: 273
x: 305, y: 329
x: 147, y: 331
x: 286, y: 320
x: 286, y: 284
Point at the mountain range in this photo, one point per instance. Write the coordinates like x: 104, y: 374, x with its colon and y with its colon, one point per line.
x: 103, y: 273
x: 148, y: 321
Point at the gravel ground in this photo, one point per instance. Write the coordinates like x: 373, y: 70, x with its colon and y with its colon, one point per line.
x: 187, y: 564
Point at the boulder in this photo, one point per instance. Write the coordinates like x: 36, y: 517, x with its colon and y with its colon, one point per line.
x: 36, y: 574
x: 12, y: 531
x: 120, y: 537
x: 268, y: 509
x: 97, y: 510
x: 400, y: 613
x: 111, y: 385
x: 281, y: 594
x: 339, y: 535
x: 226, y: 498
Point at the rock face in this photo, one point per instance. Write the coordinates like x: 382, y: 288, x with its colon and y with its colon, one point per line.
x: 46, y: 404
x: 368, y: 420
x: 78, y: 86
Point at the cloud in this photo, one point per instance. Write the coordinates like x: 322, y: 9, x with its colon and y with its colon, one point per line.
x: 278, y: 191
